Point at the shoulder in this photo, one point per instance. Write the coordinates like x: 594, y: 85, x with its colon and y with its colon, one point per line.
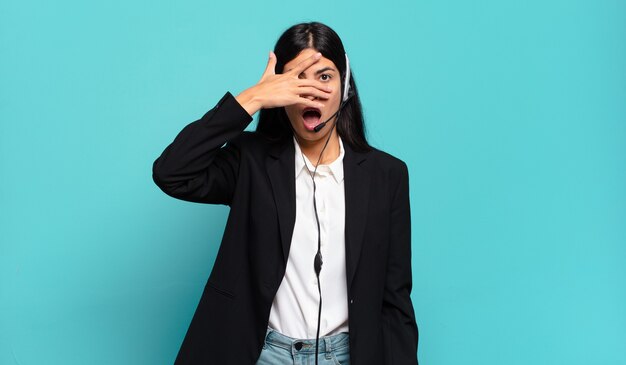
x: 386, y: 163
x: 392, y: 174
x: 255, y: 140
x: 257, y: 146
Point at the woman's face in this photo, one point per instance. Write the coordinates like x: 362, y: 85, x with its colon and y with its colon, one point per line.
x: 303, y: 119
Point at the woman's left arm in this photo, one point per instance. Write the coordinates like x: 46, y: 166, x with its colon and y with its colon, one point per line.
x: 399, y: 327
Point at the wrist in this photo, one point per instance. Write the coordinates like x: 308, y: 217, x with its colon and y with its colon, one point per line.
x: 249, y: 101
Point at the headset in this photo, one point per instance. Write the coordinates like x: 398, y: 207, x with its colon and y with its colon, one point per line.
x: 346, y: 95
x: 317, y: 262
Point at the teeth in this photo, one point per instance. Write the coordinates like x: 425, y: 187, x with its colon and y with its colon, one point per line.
x: 311, y: 110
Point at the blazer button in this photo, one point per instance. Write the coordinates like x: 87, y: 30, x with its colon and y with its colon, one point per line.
x: 351, y: 301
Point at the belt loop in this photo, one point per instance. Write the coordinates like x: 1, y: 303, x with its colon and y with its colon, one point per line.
x: 329, y: 348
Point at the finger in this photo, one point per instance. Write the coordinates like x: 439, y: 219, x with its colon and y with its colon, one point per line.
x: 314, y: 83
x: 312, y: 91
x: 310, y: 103
x: 306, y: 63
x: 270, y: 69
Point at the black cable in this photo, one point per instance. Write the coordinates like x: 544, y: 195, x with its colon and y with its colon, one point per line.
x: 317, y: 263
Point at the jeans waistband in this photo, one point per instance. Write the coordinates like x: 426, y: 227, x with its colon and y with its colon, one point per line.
x: 294, y: 345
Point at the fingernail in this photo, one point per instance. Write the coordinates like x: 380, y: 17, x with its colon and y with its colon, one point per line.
x: 318, y: 55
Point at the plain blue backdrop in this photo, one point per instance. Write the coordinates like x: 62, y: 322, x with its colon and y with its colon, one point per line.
x: 511, y: 116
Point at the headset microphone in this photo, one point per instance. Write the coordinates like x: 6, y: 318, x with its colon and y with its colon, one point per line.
x: 319, y: 127
x: 346, y: 96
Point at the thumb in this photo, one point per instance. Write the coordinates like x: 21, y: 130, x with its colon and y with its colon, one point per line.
x: 270, y: 69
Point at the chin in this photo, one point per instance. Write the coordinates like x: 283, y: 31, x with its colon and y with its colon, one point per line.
x: 305, y: 134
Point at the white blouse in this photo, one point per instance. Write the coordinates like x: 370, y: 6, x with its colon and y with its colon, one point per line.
x: 295, y: 306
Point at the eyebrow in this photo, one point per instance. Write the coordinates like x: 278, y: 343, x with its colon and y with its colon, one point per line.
x: 324, y: 69
x: 328, y: 68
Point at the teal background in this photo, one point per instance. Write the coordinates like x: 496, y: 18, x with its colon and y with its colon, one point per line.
x: 510, y: 114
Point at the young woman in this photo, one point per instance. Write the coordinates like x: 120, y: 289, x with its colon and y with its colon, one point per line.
x: 316, y: 254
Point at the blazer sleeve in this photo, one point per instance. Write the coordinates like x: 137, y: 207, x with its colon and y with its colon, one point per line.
x: 399, y: 327
x: 202, y: 163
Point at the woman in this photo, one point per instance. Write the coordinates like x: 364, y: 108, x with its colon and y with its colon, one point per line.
x: 316, y: 254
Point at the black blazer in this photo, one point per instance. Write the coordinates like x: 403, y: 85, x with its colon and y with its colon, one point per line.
x: 213, y: 160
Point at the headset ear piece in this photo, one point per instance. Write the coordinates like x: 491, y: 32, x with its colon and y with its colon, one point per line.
x: 349, y: 95
x: 346, y: 84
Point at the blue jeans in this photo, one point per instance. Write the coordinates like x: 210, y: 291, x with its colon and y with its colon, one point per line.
x: 282, y: 350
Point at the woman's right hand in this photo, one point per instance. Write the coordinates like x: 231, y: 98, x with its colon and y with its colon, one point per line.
x: 277, y: 90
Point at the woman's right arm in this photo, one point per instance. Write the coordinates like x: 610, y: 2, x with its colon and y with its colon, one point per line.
x: 202, y: 163
x: 195, y: 167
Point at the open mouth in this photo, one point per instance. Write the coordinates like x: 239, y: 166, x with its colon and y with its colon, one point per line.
x: 311, y: 117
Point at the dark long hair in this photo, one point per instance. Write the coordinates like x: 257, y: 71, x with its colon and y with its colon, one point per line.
x: 274, y: 123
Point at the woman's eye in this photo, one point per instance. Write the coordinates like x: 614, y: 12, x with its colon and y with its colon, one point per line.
x: 325, y: 77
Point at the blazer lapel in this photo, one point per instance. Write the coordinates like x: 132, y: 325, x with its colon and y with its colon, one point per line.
x: 280, y: 166
x: 357, y: 187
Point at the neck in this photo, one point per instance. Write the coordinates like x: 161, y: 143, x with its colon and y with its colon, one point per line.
x: 312, y: 149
